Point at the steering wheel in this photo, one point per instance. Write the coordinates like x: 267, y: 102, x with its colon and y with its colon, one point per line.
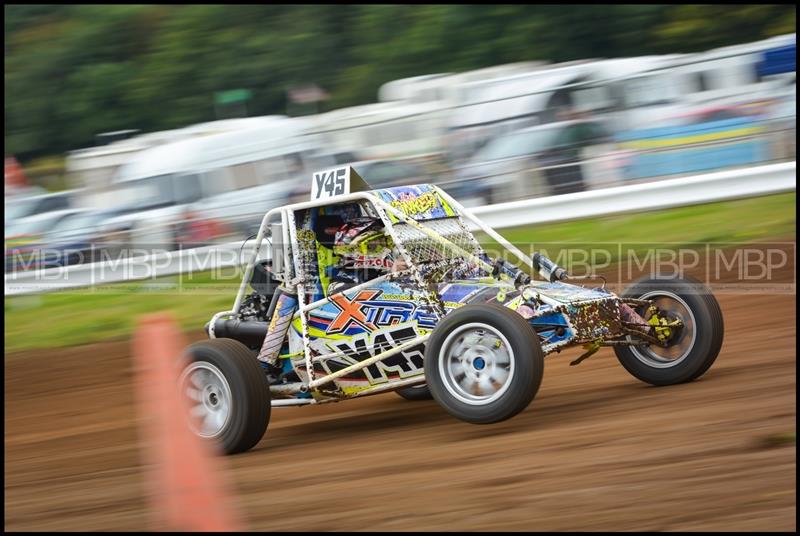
x: 261, y: 278
x: 264, y: 267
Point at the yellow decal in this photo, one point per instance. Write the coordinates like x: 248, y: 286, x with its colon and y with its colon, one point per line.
x: 416, y: 205
x: 687, y: 140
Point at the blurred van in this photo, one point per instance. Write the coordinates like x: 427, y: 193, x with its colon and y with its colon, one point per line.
x: 681, y: 84
x: 384, y: 129
x: 490, y: 108
x: 534, y: 162
x: 94, y: 167
x: 22, y: 206
x: 24, y: 237
x: 157, y: 188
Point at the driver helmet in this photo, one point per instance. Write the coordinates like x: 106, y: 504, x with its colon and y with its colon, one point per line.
x: 361, y: 243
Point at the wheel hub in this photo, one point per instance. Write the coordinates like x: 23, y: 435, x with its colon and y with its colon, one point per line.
x: 213, y: 398
x: 210, y: 397
x: 666, y: 325
x: 477, y: 363
x: 673, y: 324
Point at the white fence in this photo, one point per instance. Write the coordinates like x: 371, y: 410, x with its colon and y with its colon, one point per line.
x: 705, y: 188
x: 717, y: 186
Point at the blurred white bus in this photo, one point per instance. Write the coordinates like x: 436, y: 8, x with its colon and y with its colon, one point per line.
x: 92, y: 168
x: 158, y: 187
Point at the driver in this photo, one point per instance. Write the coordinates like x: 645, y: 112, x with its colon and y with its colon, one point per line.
x: 365, y: 251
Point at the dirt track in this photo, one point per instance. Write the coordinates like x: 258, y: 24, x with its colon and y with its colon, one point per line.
x: 596, y: 450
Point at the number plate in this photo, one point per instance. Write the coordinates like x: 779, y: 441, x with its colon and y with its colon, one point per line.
x: 330, y: 183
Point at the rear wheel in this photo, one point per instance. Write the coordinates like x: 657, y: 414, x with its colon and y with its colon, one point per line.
x: 483, y: 363
x: 691, y: 348
x: 228, y: 393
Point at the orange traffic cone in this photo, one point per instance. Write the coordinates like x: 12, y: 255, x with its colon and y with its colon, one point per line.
x: 187, y: 488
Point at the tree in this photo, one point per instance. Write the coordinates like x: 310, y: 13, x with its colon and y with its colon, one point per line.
x: 75, y: 70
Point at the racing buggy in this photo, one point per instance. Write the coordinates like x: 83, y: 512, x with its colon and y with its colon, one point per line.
x: 365, y: 291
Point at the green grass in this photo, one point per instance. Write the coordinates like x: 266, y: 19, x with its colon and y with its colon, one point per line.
x: 86, y: 315
x: 741, y: 221
x: 80, y: 316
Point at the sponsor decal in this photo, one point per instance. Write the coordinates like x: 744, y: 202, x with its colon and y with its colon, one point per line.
x: 365, y: 311
x: 421, y: 201
x: 365, y: 261
x: 351, y: 312
x: 412, y: 205
x: 359, y: 348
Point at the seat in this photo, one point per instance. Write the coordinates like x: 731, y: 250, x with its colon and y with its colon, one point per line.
x: 325, y: 227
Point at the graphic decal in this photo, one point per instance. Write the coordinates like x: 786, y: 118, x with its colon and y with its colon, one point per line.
x: 278, y: 326
x: 353, y: 350
x: 351, y: 311
x: 422, y: 202
x: 349, y: 314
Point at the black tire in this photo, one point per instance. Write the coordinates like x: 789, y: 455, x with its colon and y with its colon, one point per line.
x: 517, y: 390
x: 699, y: 355
x: 249, y: 411
x: 415, y: 392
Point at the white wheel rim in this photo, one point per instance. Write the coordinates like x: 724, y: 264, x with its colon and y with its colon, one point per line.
x: 210, y: 398
x: 476, y: 364
x: 676, y: 352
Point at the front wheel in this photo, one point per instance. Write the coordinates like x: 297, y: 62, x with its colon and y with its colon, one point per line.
x: 483, y: 363
x: 228, y: 393
x: 689, y: 349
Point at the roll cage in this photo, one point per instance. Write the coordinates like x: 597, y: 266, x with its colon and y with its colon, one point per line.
x: 287, y: 257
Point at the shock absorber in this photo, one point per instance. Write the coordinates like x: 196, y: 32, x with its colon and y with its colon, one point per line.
x: 519, y: 277
x: 284, y: 304
x: 548, y: 269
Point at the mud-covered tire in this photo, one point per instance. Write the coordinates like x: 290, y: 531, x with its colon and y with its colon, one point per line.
x: 234, y: 393
x: 415, y: 392
x: 702, y: 348
x: 483, y: 363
